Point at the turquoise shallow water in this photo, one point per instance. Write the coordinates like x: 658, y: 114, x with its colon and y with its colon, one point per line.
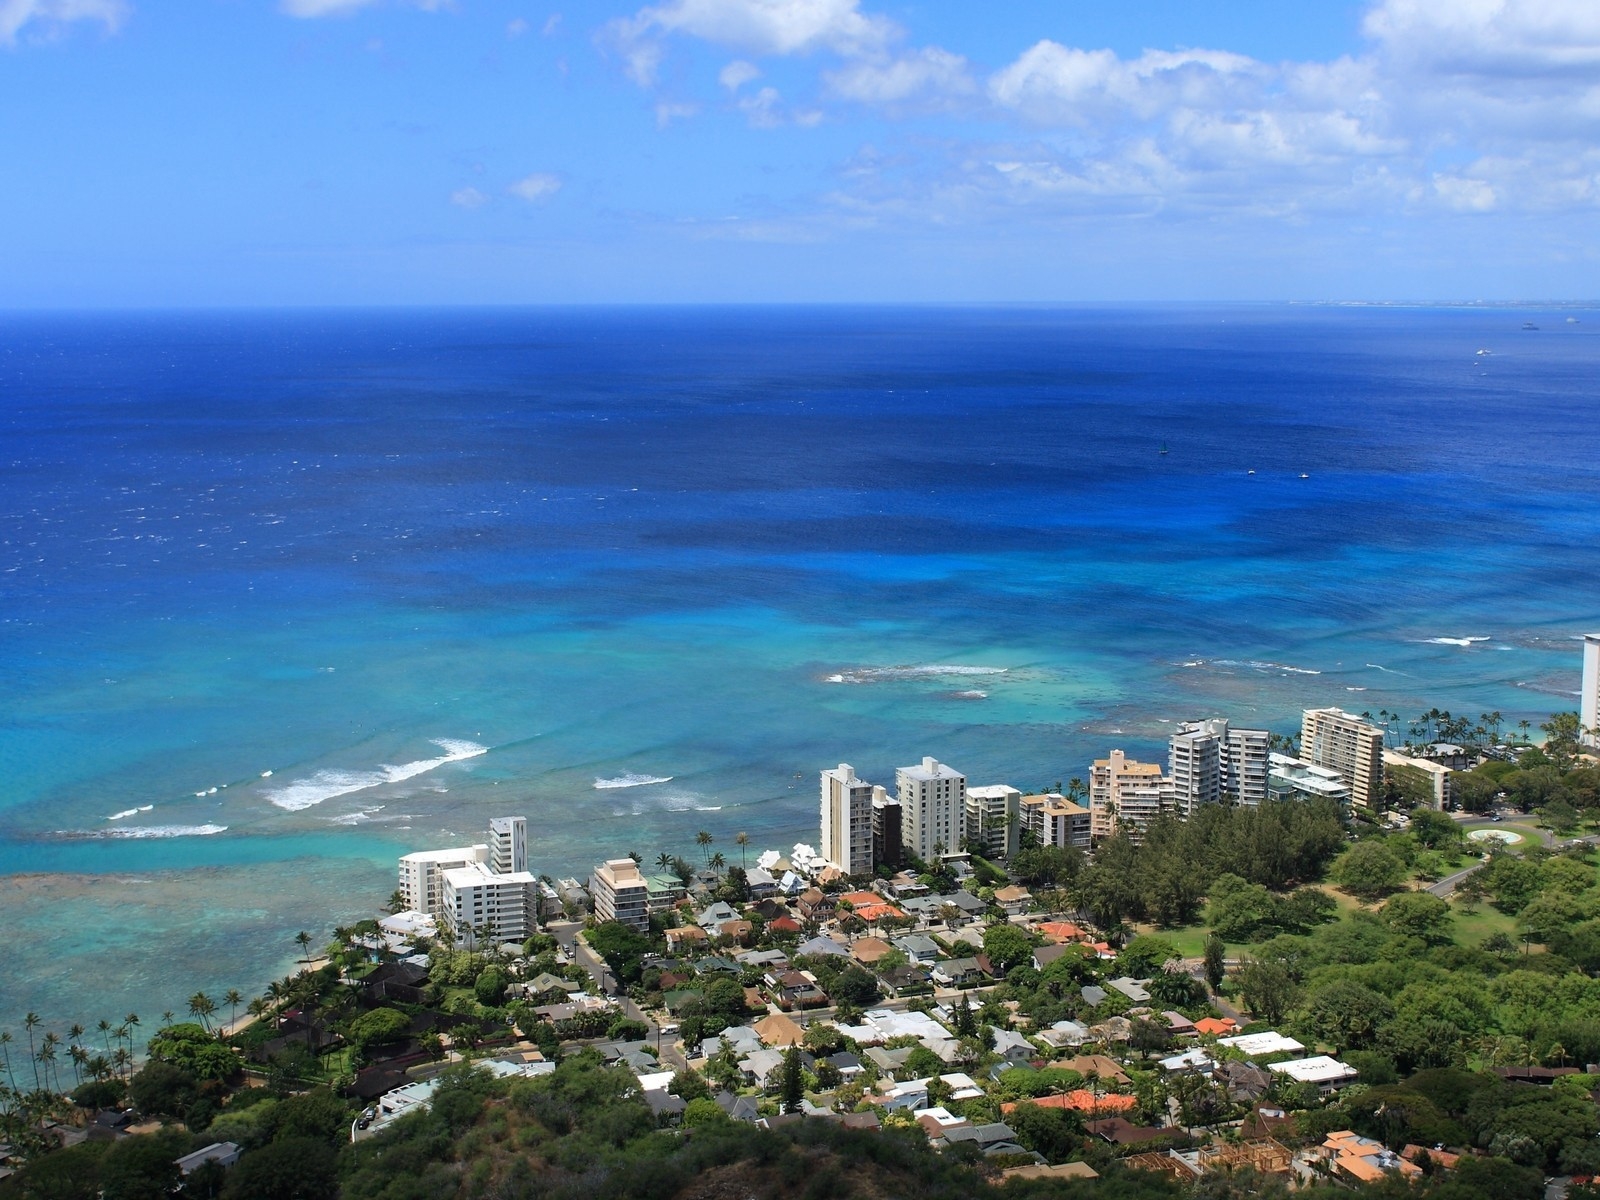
x: 705, y: 545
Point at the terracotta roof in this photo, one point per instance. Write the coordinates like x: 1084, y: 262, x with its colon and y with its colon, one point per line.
x: 1081, y: 1100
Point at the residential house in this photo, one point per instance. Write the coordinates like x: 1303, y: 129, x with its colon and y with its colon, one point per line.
x: 762, y: 1067
x: 776, y: 1029
x: 956, y: 972
x: 1009, y: 1044
x: 1014, y: 899
x: 917, y: 947
x: 1326, y: 1073
x: 1361, y: 1160
x: 868, y: 950
x: 816, y: 905
x: 821, y: 945
x: 796, y: 989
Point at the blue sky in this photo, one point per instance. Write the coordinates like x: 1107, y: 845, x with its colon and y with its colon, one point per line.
x: 158, y: 152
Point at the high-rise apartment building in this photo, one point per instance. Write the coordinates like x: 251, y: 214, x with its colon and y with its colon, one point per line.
x: 1055, y: 821
x: 508, y: 845
x: 1589, y: 701
x: 847, y: 820
x: 1333, y: 738
x: 618, y: 892
x: 1126, y: 795
x: 1210, y: 761
x: 472, y: 891
x: 933, y: 801
x: 993, y: 820
x: 888, y: 830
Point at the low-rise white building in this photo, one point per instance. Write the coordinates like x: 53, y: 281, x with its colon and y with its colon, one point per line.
x: 1326, y: 1073
x: 422, y: 875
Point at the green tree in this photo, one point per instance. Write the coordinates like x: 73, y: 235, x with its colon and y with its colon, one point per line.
x: 1215, y: 961
x: 1369, y: 869
x: 1007, y: 946
x: 792, y: 1084
x: 293, y: 1169
x: 1418, y: 915
x: 1269, y: 990
x: 490, y: 987
x: 143, y: 1168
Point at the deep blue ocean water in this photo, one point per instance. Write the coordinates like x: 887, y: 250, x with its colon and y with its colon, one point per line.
x: 725, y: 546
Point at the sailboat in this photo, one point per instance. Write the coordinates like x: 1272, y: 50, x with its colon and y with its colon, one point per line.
x: 1163, y: 449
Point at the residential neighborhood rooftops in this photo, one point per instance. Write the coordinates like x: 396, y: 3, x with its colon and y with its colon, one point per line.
x: 1253, y: 1044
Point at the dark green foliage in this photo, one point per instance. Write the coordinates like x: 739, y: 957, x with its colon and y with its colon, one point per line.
x: 142, y: 1168
x: 196, y: 1050
x: 316, y: 1115
x: 293, y: 1169
x: 490, y: 987
x: 162, y: 1089
x: 621, y: 946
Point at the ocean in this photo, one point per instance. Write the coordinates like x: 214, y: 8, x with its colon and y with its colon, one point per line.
x: 284, y: 595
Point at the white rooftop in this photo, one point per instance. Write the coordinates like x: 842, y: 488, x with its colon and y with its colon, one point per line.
x: 1320, y: 1069
x: 1252, y: 1044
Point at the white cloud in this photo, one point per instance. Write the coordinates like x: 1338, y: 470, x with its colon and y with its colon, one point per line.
x: 1055, y: 84
x: 536, y: 187
x: 468, y: 197
x: 667, y: 113
x: 778, y: 27
x: 1491, y: 37
x: 737, y: 73
x: 516, y: 27
x: 1464, y: 195
x: 761, y: 109
x: 309, y: 9
x: 930, y: 72
x: 551, y: 24
x: 46, y: 18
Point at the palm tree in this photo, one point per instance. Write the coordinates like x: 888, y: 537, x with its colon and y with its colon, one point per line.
x: 47, y: 1056
x: 716, y: 862
x: 104, y: 1027
x: 29, y: 1022
x: 1524, y: 726
x: 304, y: 939
x: 664, y: 860
x: 741, y: 840
x: 703, y: 840
x: 233, y: 999
x: 166, y: 1017
x: 202, y: 1006
x: 79, y: 1057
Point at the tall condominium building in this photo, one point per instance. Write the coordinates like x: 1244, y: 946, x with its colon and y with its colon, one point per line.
x: 1055, y: 821
x: 847, y: 821
x: 888, y: 831
x: 993, y: 820
x: 1209, y: 761
x: 1589, y: 702
x: 490, y: 906
x: 422, y: 876
x: 472, y: 890
x: 619, y: 892
x: 508, y: 844
x: 1126, y: 795
x: 1333, y: 738
x: 933, y: 801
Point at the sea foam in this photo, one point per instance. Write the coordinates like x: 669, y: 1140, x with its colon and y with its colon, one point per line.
x: 151, y: 831
x: 1449, y: 641
x: 628, y: 781
x: 1258, y: 665
x: 328, y: 784
x: 129, y: 812
x: 891, y: 674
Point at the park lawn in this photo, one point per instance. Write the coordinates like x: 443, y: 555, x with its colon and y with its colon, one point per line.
x: 1532, y: 835
x: 1471, y: 929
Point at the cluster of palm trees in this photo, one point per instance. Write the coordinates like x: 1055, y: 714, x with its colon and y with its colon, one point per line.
x: 1440, y: 725
x: 45, y: 1058
x: 714, y: 860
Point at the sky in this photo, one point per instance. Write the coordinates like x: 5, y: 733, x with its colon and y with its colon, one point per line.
x: 270, y: 152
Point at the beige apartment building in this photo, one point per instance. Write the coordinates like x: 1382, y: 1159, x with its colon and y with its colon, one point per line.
x: 1339, y: 741
x: 1126, y: 795
x: 619, y: 892
x: 1055, y: 821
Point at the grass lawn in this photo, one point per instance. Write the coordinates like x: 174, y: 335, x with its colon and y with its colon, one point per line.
x: 1472, y: 928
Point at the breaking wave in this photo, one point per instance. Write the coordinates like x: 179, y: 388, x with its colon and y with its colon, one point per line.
x: 892, y: 674
x: 129, y: 812
x: 150, y: 831
x: 326, y: 785
x: 628, y: 781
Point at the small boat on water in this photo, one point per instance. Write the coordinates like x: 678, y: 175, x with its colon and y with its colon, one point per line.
x: 1303, y: 475
x: 1163, y: 449
x: 1529, y: 325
